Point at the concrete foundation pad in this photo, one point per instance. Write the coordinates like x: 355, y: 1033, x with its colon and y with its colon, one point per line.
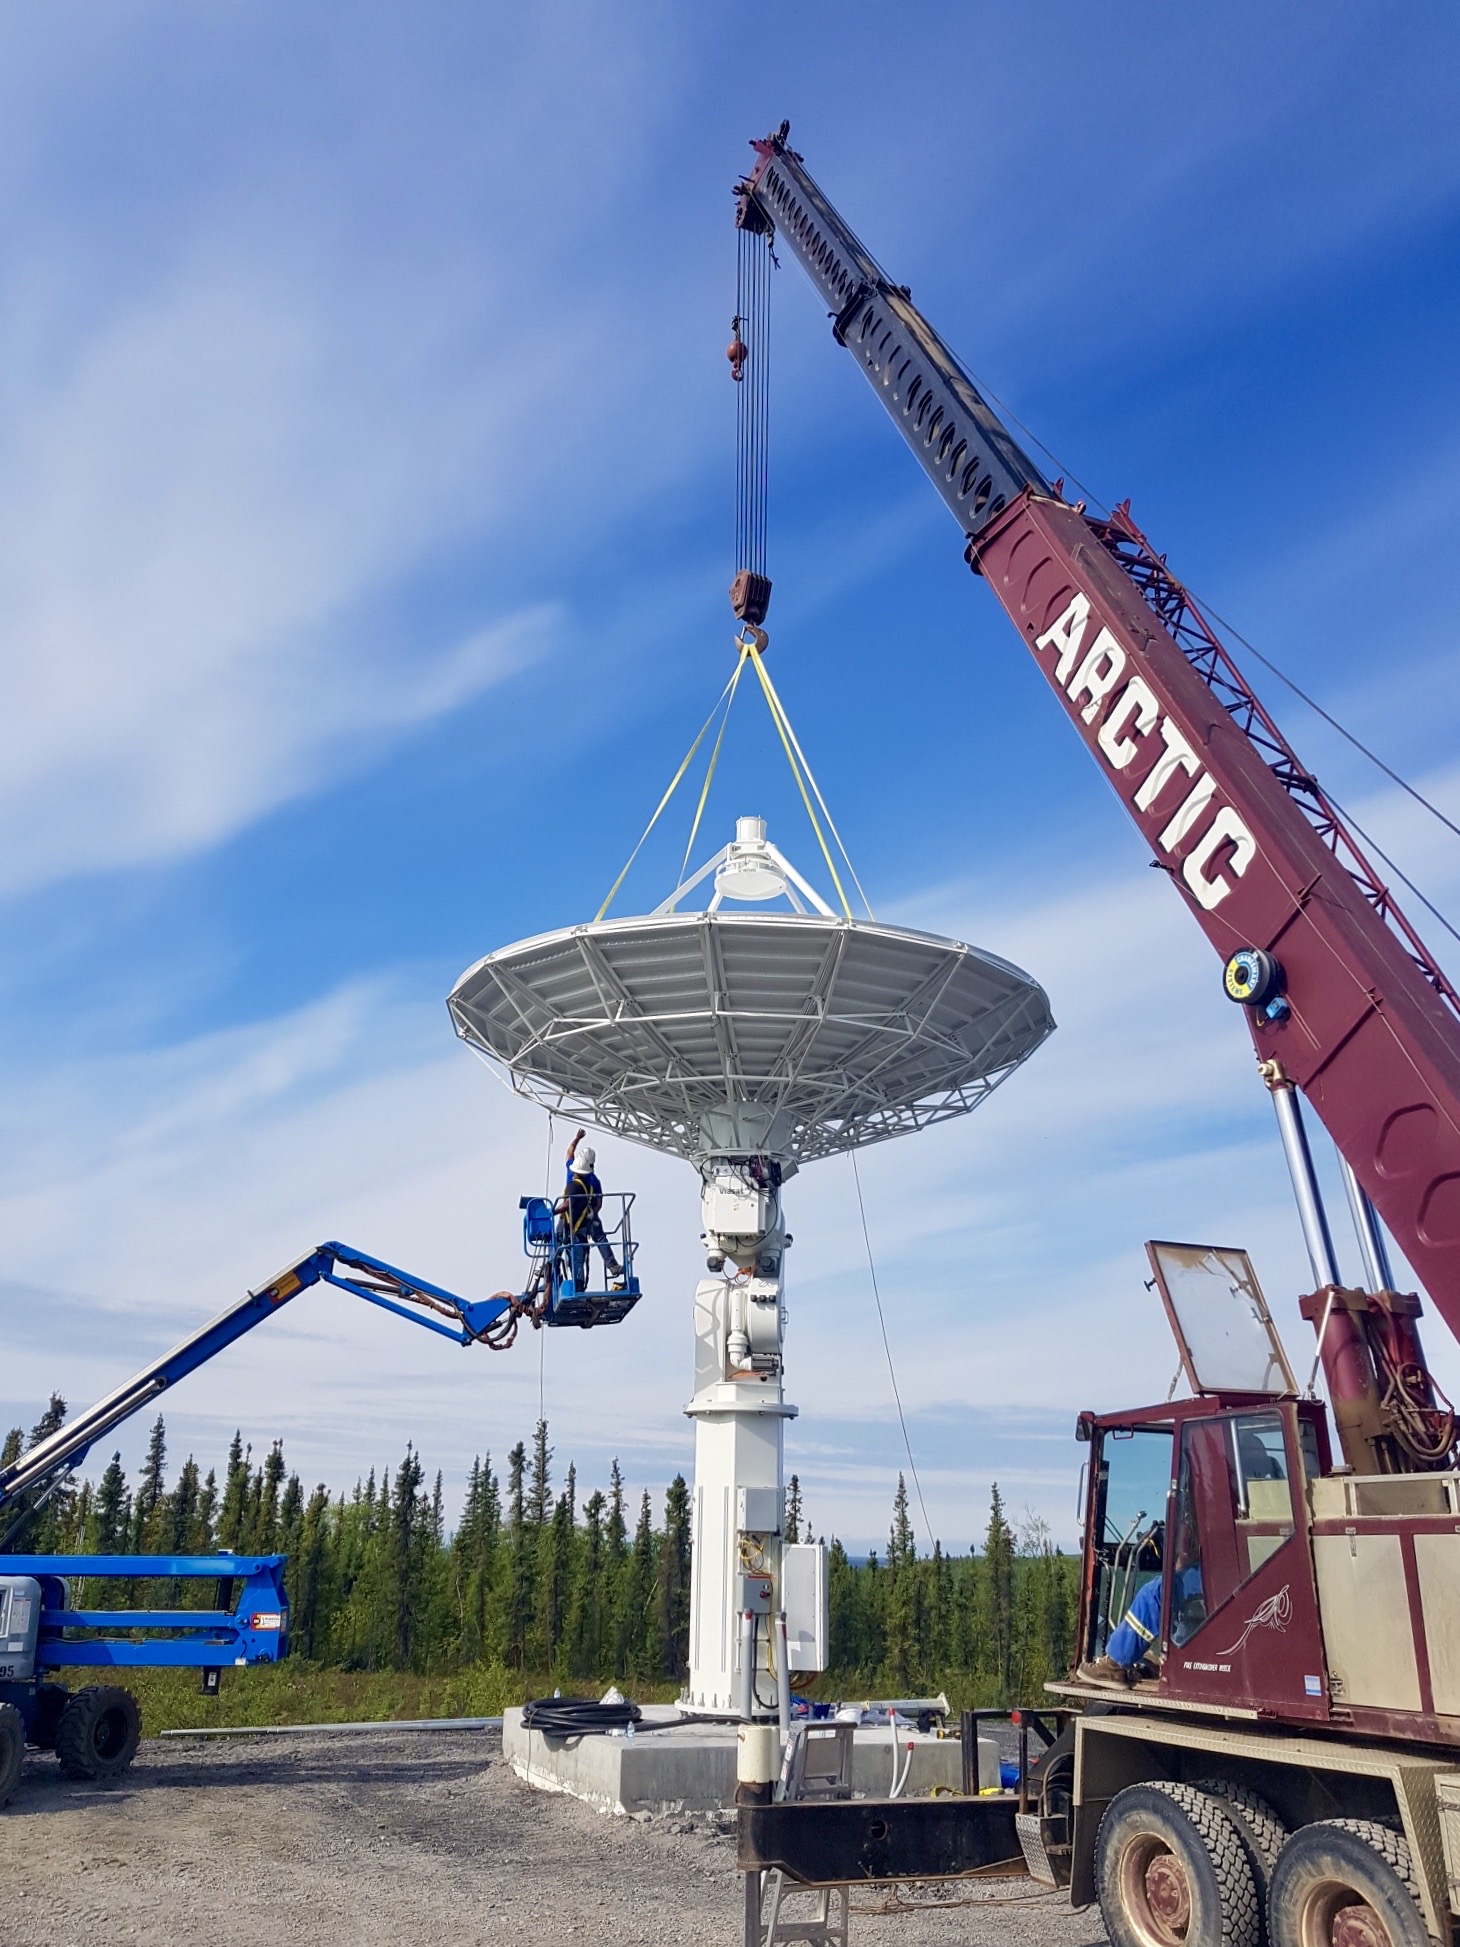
x: 690, y: 1766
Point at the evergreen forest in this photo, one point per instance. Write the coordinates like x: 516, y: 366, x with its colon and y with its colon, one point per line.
x: 568, y: 1587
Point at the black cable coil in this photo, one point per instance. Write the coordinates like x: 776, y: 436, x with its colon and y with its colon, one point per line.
x: 577, y: 1716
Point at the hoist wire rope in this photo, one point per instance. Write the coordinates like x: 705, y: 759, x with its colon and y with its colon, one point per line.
x: 887, y: 1348
x: 773, y: 697
x: 674, y: 784
x: 752, y: 323
x: 1236, y: 634
x: 729, y: 701
x: 776, y: 718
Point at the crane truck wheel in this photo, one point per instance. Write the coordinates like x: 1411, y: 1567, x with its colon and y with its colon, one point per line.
x: 1345, y: 1883
x: 1259, y: 1824
x: 98, y: 1733
x: 1172, y: 1870
x: 12, y: 1749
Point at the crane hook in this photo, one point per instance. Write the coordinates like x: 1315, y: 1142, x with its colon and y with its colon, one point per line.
x: 737, y: 351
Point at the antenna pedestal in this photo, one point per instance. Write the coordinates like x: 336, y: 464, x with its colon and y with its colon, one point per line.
x: 740, y: 1411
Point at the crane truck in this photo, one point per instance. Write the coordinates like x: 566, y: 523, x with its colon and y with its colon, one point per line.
x: 94, y: 1731
x: 1283, y: 1764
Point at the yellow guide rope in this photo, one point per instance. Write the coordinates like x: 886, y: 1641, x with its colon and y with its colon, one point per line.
x: 774, y: 705
x: 751, y: 649
x: 714, y: 760
x: 673, y: 787
x: 773, y: 698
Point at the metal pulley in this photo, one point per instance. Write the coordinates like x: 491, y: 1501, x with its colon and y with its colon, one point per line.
x: 750, y: 596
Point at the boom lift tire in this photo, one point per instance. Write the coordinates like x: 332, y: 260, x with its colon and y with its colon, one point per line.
x: 1350, y: 1882
x: 98, y: 1733
x: 1172, y: 1870
x: 12, y: 1748
x: 51, y: 1700
x: 1259, y: 1824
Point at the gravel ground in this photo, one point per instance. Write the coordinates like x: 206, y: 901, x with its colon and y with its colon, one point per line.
x: 423, y: 1838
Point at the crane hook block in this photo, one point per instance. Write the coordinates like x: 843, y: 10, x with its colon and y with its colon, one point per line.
x: 750, y: 596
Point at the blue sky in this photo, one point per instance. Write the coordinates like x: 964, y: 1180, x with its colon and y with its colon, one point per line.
x: 366, y: 459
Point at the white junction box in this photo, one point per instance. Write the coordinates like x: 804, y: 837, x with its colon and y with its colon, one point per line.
x: 803, y: 1592
x: 758, y: 1510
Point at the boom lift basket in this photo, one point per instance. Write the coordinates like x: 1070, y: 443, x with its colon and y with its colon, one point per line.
x: 566, y: 1264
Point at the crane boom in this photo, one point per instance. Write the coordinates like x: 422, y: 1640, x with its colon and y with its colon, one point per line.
x: 1367, y: 1025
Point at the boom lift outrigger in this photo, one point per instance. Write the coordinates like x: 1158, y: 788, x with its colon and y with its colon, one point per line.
x: 95, y: 1731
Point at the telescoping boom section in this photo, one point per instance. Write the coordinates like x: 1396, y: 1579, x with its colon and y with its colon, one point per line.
x: 1344, y: 1001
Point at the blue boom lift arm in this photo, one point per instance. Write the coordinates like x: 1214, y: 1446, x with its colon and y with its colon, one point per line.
x: 552, y: 1297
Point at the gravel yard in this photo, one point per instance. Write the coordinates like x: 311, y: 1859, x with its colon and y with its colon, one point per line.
x: 397, y: 1840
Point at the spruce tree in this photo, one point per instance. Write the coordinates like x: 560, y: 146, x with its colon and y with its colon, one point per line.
x: 513, y: 1594
x: 539, y: 1490
x: 111, y: 1514
x: 997, y: 1591
x: 845, y: 1646
x: 636, y: 1600
x: 43, y: 1534
x: 615, y: 1561
x: 902, y: 1595
x: 233, y: 1514
x: 674, y: 1580
x: 151, y: 1487
x: 586, y: 1630
x: 793, y: 1509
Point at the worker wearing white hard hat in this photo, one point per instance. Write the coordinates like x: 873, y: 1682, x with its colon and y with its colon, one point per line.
x: 582, y: 1221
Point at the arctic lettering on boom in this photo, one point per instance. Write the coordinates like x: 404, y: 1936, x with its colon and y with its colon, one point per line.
x: 1128, y: 722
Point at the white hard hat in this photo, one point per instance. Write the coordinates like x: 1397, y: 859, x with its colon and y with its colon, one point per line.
x: 585, y: 1156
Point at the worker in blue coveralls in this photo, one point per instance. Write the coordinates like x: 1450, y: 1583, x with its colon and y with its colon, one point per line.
x: 1135, y: 1642
x: 580, y: 1223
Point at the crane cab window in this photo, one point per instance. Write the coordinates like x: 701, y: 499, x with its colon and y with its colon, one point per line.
x: 1234, y: 1509
x: 1130, y: 1521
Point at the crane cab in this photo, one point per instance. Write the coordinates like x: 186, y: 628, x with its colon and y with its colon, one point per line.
x: 1210, y: 1499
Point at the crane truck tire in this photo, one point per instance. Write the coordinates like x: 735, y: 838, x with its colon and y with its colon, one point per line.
x: 12, y: 1749
x: 1345, y: 1883
x: 1259, y: 1824
x: 98, y: 1734
x: 1172, y: 1870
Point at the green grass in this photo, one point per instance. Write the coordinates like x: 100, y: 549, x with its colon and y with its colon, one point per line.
x: 303, y: 1693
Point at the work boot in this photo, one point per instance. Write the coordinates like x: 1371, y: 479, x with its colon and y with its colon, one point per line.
x: 1104, y: 1670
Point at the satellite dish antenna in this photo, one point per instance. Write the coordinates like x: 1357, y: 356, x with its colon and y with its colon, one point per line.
x: 731, y: 1033
x: 748, y: 1042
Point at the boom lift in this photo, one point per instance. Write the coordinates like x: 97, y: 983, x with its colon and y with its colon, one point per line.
x: 95, y: 1731
x: 1290, y: 1745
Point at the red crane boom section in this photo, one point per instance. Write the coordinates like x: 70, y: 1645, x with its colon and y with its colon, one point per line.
x: 1370, y: 1039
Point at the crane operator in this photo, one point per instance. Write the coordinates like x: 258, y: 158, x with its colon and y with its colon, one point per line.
x: 580, y: 1222
x: 1133, y: 1648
